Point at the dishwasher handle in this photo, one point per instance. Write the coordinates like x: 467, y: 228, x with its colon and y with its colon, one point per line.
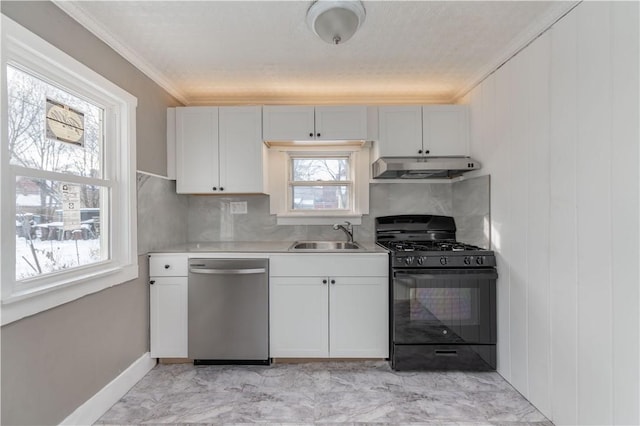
x: 227, y: 271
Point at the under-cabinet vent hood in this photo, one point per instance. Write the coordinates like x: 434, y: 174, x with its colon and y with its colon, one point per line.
x: 422, y: 167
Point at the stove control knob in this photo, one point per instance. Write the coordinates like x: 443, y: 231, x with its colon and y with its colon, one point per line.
x: 467, y: 260
x: 408, y: 260
x: 479, y: 260
x: 444, y: 260
x: 420, y: 260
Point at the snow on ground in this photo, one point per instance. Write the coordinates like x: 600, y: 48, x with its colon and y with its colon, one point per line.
x: 54, y: 255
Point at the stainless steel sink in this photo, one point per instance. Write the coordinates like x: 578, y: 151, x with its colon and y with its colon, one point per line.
x: 324, y: 246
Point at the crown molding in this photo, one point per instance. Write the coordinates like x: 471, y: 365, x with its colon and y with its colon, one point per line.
x: 524, y: 39
x: 87, y: 21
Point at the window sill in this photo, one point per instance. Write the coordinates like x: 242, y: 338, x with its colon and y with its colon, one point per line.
x: 31, y: 302
x: 307, y: 219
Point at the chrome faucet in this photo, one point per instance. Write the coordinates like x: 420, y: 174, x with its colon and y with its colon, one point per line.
x: 346, y: 229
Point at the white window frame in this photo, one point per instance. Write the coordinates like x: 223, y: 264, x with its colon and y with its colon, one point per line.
x: 24, y: 50
x: 350, y: 183
x: 278, y: 175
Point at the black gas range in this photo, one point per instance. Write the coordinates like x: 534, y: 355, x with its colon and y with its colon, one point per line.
x: 443, y: 295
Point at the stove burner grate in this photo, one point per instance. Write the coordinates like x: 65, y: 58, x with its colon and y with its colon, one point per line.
x: 408, y: 246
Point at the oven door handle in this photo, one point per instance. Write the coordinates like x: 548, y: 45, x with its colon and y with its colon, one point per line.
x: 448, y: 274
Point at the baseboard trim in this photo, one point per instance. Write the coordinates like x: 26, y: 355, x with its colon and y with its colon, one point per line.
x: 89, y: 412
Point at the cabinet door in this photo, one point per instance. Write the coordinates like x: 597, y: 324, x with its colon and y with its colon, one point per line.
x: 341, y: 122
x: 168, y: 319
x: 288, y: 123
x: 197, y: 169
x: 298, y: 312
x: 241, y: 147
x: 400, y: 131
x: 445, y: 130
x: 359, y: 317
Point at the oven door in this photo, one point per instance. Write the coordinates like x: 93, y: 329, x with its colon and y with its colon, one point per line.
x: 444, y: 306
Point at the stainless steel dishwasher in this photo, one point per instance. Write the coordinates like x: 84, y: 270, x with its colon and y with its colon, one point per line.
x: 229, y: 311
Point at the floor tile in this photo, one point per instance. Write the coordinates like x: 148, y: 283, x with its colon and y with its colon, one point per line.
x: 346, y: 393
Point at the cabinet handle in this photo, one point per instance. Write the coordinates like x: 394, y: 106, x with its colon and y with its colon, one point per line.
x: 152, y: 282
x: 333, y: 281
x: 310, y: 135
x: 167, y: 266
x: 318, y: 135
x: 221, y: 189
x: 324, y: 281
x: 215, y: 188
x: 427, y: 151
x: 419, y: 151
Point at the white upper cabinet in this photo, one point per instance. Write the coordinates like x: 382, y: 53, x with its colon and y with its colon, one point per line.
x: 314, y: 123
x: 429, y: 130
x: 241, y: 149
x: 341, y: 122
x: 288, y: 123
x: 197, y: 169
x: 445, y: 130
x: 400, y: 131
x: 219, y: 150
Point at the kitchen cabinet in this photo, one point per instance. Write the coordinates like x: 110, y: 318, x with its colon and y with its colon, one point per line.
x: 219, y: 150
x: 168, y: 306
x: 429, y: 130
x: 314, y: 123
x: 445, y: 130
x: 324, y: 305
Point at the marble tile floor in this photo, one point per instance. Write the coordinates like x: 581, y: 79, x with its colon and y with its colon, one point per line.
x: 364, y: 392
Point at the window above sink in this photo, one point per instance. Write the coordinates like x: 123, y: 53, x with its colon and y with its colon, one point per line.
x: 318, y: 185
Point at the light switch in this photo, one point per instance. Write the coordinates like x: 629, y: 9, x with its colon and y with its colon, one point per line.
x: 238, y: 207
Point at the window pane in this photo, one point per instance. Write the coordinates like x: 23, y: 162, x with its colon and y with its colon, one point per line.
x: 58, y: 226
x: 51, y: 129
x: 320, y: 197
x: 320, y: 169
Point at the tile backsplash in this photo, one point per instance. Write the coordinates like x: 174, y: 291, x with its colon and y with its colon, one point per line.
x: 162, y: 214
x: 166, y: 218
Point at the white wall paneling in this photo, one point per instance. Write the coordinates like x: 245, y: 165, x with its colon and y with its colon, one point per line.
x: 538, y: 321
x: 557, y: 129
x: 563, y: 263
x: 594, y: 208
x: 516, y: 251
x: 624, y: 182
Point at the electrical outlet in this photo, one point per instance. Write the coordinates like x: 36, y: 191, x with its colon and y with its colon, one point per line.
x: 238, y: 207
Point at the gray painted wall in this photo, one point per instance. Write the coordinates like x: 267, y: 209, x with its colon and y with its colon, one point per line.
x: 54, y: 361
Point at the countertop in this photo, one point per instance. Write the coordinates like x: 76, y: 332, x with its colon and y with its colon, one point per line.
x: 258, y: 247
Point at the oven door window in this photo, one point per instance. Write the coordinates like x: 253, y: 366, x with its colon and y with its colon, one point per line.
x: 444, y: 306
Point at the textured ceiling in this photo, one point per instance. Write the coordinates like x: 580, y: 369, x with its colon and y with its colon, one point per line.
x: 238, y: 52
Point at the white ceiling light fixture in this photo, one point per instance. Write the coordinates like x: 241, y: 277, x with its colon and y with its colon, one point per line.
x: 335, y: 21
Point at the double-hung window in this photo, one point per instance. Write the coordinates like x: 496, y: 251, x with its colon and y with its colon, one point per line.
x: 68, y: 177
x: 320, y: 183
x: 316, y: 184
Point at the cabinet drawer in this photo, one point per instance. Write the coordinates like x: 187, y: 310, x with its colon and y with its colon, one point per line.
x: 161, y: 265
x: 319, y: 264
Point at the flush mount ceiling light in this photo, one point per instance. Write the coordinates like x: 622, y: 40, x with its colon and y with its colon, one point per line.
x: 335, y: 21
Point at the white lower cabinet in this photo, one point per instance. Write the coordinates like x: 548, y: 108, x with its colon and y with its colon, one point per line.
x: 168, y: 306
x: 358, y: 317
x: 299, y: 318
x: 169, y: 317
x: 329, y: 306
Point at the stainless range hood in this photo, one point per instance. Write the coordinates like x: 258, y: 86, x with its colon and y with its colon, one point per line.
x: 422, y: 167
